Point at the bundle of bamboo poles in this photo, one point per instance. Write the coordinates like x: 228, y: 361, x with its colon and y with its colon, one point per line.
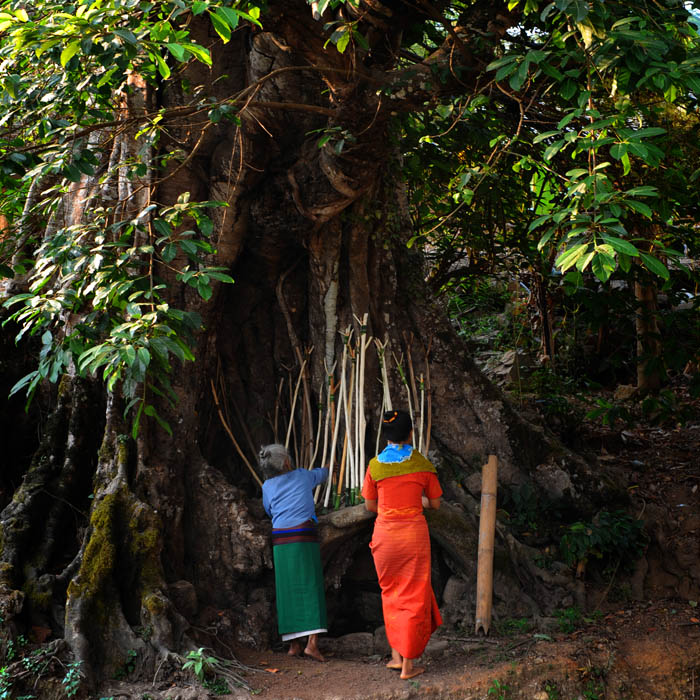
x: 336, y: 435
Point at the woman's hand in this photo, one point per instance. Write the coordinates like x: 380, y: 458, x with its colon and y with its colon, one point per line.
x: 430, y: 503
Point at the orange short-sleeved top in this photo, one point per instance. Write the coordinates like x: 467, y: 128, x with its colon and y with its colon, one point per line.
x: 401, y: 493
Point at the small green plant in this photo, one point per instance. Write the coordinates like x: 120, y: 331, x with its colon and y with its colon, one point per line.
x: 73, y: 678
x: 13, y: 647
x: 552, y: 691
x: 609, y: 413
x: 218, y: 686
x: 5, y: 683
x: 593, y: 691
x: 511, y: 626
x: 568, y: 619
x: 129, y: 665
x: 499, y: 690
x: 609, y: 536
x: 200, y: 664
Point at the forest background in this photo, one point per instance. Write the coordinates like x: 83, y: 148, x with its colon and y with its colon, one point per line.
x: 209, y: 209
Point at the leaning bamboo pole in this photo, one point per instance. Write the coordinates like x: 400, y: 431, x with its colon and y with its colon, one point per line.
x: 334, y: 441
x: 421, y: 386
x: 231, y: 436
x: 329, y: 408
x: 294, y: 403
x: 319, y: 426
x: 346, y: 477
x: 361, y: 420
x: 487, y: 529
x: 408, y: 339
x: 429, y: 420
x: 404, y: 381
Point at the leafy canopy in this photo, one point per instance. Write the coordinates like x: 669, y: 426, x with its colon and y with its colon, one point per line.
x: 69, y: 76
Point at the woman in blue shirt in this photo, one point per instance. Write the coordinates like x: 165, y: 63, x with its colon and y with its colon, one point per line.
x: 288, y: 499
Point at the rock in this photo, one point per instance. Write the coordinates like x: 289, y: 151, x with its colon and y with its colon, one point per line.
x: 381, y: 643
x: 436, y: 647
x: 456, y: 534
x: 353, y: 644
x: 455, y: 589
x: 473, y: 484
x: 625, y: 392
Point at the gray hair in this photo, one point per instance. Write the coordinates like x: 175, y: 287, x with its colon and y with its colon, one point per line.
x: 272, y: 459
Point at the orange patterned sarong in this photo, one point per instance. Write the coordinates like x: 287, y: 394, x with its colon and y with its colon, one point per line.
x: 401, y: 551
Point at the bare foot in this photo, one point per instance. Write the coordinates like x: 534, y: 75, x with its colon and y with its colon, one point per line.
x: 412, y: 673
x: 314, y: 654
x: 396, y: 661
x: 294, y: 648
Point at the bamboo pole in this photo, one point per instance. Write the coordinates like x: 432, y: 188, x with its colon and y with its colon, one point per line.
x: 230, y: 434
x: 318, y: 431
x: 381, y: 354
x: 408, y: 339
x: 487, y: 528
x: 348, y: 446
x: 330, y: 389
x: 429, y: 421
x: 404, y: 381
x: 294, y: 403
x: 335, y: 429
x: 361, y: 420
x: 421, y: 385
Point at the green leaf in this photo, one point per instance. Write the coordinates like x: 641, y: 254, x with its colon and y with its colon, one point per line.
x: 69, y: 52
x: 569, y: 257
x: 603, y: 266
x: 230, y: 15
x: 545, y: 135
x: 637, y: 206
x: 221, y: 25
x: 343, y: 41
x: 199, y: 52
x: 163, y: 68
x: 500, y: 62
x: 620, y: 245
x: 150, y: 410
x: 643, y: 191
x: 177, y: 51
x: 655, y: 265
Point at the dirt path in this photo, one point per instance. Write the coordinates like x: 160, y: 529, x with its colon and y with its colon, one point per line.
x: 640, y: 652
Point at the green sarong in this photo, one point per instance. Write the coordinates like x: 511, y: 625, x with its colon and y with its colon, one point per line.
x: 301, y: 599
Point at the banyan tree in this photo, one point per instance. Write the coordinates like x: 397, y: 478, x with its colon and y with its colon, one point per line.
x: 203, y: 211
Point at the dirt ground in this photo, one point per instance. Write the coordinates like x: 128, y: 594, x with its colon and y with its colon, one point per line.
x: 640, y: 651
x: 643, y: 651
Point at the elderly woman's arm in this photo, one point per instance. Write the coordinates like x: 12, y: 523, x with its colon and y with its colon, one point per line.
x: 371, y: 504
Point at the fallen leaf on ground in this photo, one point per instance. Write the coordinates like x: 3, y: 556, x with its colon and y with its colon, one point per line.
x: 272, y: 670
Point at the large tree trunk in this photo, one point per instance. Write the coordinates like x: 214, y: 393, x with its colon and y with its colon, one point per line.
x: 149, y: 545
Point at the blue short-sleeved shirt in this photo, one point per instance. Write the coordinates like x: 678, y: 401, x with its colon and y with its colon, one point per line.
x: 288, y: 498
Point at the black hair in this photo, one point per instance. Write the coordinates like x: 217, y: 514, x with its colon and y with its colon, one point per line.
x: 396, y: 426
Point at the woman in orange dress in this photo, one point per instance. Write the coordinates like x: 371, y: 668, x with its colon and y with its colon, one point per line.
x: 399, y: 483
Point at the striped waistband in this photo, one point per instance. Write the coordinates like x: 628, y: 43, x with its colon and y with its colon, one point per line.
x: 306, y: 532
x: 400, y: 513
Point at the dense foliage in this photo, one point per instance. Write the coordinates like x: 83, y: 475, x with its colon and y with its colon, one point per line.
x: 575, y: 153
